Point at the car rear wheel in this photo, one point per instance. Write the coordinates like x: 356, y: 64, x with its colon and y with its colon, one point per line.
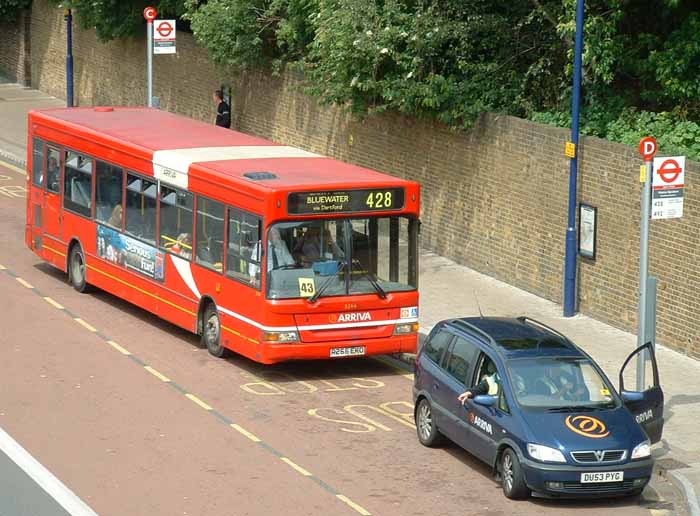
x: 514, y: 486
x: 428, y: 434
x: 211, y: 332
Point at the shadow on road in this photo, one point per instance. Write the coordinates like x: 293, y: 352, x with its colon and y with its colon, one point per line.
x: 303, y: 370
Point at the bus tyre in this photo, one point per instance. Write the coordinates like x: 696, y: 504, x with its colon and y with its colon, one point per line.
x: 77, y: 268
x: 514, y: 486
x: 428, y: 434
x: 211, y: 332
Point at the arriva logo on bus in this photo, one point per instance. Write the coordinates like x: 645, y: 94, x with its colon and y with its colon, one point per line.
x: 351, y: 317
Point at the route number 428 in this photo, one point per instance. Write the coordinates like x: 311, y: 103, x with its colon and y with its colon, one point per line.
x: 379, y: 200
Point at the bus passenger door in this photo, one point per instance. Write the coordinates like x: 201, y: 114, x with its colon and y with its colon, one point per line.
x: 52, y: 210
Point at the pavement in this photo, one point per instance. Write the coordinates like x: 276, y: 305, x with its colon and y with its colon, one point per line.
x: 451, y: 290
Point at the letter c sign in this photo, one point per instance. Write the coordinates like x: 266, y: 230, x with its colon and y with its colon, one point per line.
x: 150, y: 14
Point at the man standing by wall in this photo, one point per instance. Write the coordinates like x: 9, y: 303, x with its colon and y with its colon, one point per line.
x: 223, y: 110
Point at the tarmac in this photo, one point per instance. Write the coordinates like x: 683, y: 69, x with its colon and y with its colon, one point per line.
x: 451, y: 290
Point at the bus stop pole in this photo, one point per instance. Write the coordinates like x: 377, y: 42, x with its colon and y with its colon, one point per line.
x: 69, y: 57
x: 642, y: 329
x: 149, y: 53
x: 571, y: 251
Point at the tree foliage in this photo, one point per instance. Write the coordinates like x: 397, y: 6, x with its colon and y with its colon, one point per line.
x: 454, y: 59
x: 10, y: 9
x: 113, y: 19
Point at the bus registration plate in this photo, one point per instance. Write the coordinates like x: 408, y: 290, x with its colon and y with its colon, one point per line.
x: 608, y: 476
x: 347, y: 352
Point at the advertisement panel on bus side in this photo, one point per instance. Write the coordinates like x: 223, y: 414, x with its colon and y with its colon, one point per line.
x: 130, y: 253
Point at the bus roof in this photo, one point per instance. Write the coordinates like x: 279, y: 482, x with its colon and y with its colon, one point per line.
x: 176, y: 142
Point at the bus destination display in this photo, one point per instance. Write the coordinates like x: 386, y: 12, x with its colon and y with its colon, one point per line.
x: 345, y: 201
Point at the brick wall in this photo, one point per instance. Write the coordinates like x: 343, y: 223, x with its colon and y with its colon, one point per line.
x: 494, y: 198
x: 15, y: 49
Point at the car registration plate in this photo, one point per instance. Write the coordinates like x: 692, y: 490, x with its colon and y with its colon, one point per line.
x: 347, y: 352
x: 607, y: 476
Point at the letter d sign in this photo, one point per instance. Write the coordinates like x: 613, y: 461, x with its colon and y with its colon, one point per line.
x: 647, y: 148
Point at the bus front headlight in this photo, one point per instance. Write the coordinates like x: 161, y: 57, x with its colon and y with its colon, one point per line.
x: 406, y: 328
x: 280, y: 337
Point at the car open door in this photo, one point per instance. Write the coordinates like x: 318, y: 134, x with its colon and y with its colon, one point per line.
x: 646, y: 406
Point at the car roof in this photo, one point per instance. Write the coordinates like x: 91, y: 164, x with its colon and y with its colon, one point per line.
x: 520, y: 337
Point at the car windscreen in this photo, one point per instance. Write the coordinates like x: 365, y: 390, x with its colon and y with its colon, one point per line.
x: 559, y: 382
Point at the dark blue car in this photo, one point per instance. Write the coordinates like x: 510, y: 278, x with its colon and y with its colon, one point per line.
x: 542, y: 414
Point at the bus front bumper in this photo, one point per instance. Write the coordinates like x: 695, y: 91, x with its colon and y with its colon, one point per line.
x: 272, y: 353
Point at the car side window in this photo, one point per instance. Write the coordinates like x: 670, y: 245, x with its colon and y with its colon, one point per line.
x: 460, y: 362
x: 486, y: 371
x: 503, y: 402
x: 436, y: 346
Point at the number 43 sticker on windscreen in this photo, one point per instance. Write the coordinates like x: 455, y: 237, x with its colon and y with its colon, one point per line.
x: 307, y: 287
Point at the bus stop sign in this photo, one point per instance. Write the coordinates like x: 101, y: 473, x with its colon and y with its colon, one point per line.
x: 648, y: 147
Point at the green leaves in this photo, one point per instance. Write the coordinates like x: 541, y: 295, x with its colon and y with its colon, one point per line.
x: 451, y: 60
x: 9, y: 9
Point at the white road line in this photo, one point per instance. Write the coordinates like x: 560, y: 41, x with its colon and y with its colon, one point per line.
x: 43, y: 477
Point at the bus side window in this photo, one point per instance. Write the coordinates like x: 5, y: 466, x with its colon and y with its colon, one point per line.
x: 210, y: 233
x: 53, y: 170
x: 38, y: 162
x: 108, y: 194
x: 244, y: 248
x: 176, y: 220
x: 141, y: 208
x: 77, y: 184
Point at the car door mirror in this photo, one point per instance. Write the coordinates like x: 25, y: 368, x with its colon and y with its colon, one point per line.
x: 485, y: 400
x: 631, y: 396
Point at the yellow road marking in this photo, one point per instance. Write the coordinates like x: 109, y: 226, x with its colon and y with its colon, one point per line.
x: 199, y: 402
x: 54, y: 303
x: 13, y: 168
x: 156, y: 373
x: 352, y: 504
x: 85, y: 325
x: 59, y: 253
x: 24, y: 283
x: 118, y: 347
x: 245, y: 432
x: 154, y: 296
x: 296, y: 467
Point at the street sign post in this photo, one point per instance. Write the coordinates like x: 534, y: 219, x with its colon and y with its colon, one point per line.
x: 150, y: 13
x: 667, y: 188
x: 647, y: 148
x: 164, y: 37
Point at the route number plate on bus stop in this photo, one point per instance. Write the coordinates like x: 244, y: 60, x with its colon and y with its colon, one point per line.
x: 347, y: 352
x: 607, y: 476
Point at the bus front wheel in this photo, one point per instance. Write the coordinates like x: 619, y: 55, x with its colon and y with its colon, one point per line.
x: 211, y: 332
x: 77, y: 268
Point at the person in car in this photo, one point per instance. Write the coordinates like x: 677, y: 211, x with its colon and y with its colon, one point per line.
x: 489, y: 384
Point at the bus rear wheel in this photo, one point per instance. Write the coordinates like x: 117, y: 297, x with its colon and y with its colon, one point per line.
x: 211, y: 332
x: 77, y: 268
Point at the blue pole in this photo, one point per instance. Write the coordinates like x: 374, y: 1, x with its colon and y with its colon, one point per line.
x: 69, y: 58
x: 571, y: 240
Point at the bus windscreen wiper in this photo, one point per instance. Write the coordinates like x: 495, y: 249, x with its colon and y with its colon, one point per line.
x: 370, y: 277
x: 324, y: 286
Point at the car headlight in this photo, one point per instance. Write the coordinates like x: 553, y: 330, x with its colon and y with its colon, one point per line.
x: 642, y: 450
x: 282, y: 337
x: 406, y: 328
x: 545, y: 453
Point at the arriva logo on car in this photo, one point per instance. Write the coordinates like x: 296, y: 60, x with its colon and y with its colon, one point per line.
x: 480, y: 423
x: 355, y: 317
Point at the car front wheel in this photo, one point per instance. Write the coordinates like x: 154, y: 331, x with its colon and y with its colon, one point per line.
x: 514, y: 486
